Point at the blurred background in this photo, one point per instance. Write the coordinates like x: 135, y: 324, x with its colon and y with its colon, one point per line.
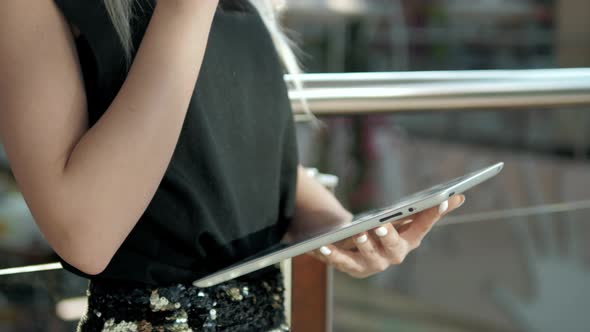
x: 514, y: 258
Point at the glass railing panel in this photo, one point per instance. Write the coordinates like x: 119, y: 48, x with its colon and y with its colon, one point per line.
x: 512, y: 258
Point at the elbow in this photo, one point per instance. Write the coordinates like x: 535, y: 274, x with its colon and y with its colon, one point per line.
x: 92, y: 269
x: 79, y: 235
x: 84, y: 260
x: 73, y: 226
x: 82, y: 250
x: 91, y: 263
x: 87, y: 265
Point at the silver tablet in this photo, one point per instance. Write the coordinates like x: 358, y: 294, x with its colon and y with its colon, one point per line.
x: 361, y: 222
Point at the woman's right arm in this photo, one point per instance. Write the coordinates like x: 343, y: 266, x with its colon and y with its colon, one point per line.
x: 87, y: 188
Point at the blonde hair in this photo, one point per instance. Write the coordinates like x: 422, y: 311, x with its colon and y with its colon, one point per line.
x: 121, y: 12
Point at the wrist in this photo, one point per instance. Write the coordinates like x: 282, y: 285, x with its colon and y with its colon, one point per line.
x: 346, y: 215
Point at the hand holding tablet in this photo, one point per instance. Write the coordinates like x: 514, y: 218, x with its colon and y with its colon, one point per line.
x: 389, y: 234
x: 376, y: 250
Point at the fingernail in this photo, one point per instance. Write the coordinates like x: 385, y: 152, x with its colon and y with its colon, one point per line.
x: 362, y: 239
x: 381, y: 231
x: 443, y: 207
x: 325, y: 251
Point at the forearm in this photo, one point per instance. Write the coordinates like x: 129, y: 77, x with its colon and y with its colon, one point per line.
x: 315, y: 206
x: 117, y: 165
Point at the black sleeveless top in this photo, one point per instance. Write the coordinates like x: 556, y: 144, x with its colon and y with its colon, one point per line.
x: 229, y: 190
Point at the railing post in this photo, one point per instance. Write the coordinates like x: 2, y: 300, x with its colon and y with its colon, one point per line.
x: 311, y: 298
x: 311, y: 290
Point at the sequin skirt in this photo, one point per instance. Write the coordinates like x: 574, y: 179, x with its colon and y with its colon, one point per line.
x: 242, y: 304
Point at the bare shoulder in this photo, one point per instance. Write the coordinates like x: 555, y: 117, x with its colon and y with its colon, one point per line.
x: 30, y: 25
x: 22, y: 16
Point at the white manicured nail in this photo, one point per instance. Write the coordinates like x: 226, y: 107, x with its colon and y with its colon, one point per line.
x: 381, y: 231
x: 443, y: 207
x: 362, y: 239
x: 325, y: 251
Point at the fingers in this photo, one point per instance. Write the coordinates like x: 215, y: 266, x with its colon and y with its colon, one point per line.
x: 453, y: 203
x: 374, y: 251
x: 344, y: 260
x: 377, y: 250
x: 393, y: 246
x: 415, y: 231
x: 370, y: 251
x: 382, y: 247
x: 348, y: 243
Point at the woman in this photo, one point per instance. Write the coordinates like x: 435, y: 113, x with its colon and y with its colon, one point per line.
x: 154, y: 143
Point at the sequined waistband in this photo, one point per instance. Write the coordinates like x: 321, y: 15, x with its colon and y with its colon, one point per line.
x: 242, y: 304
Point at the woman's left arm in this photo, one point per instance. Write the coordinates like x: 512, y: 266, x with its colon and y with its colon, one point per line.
x: 314, y: 206
x: 366, y: 253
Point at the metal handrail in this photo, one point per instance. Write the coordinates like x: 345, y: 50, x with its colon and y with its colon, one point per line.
x: 376, y: 78
x: 362, y: 93
x: 327, y: 8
